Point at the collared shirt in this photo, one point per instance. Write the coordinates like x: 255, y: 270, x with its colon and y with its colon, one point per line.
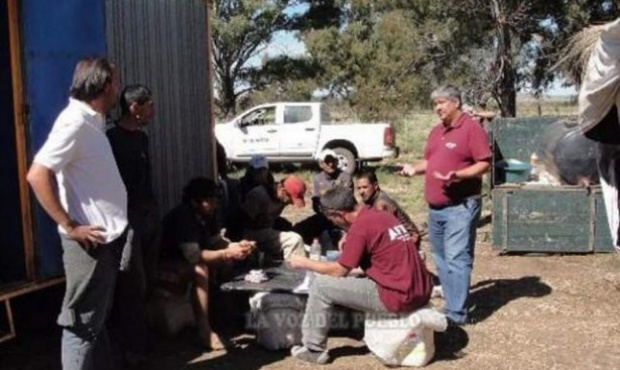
x: 453, y: 148
x: 90, y: 187
x: 379, y: 244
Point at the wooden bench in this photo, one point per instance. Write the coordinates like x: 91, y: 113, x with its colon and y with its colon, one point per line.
x: 13, y: 290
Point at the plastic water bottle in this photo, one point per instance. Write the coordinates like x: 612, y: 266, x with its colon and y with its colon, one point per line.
x: 315, y: 250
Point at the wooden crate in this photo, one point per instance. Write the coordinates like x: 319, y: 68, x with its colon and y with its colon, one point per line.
x: 531, y: 218
x: 562, y: 219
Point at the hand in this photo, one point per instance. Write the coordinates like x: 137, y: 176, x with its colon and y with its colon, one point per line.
x: 239, y: 251
x: 297, y: 262
x: 251, y: 245
x: 88, y: 236
x: 407, y: 170
x: 450, y: 176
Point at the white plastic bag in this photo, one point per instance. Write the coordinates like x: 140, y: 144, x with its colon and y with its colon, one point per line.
x: 405, y: 340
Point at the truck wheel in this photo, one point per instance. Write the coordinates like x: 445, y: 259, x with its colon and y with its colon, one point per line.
x: 346, y: 160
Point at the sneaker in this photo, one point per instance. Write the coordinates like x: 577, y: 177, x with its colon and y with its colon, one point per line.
x: 314, y: 357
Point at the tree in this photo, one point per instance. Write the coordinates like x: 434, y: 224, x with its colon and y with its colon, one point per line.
x: 241, y: 29
x: 384, y: 56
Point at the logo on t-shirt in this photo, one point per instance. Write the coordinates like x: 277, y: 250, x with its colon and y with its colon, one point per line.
x: 450, y: 145
x: 399, y: 232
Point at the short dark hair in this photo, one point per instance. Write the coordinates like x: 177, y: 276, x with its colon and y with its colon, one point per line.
x: 369, y: 175
x: 198, y: 189
x: 133, y: 94
x: 90, y: 78
x: 339, y: 198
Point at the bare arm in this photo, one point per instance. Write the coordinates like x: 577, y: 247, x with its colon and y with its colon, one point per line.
x: 475, y: 170
x: 43, y: 183
x: 233, y: 251
x: 325, y: 268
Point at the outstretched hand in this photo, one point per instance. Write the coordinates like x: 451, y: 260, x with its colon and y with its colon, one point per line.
x: 407, y: 170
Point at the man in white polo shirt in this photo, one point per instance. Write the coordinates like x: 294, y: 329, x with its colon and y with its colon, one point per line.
x: 75, y: 178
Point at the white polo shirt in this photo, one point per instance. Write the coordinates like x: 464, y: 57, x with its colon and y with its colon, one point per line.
x: 90, y: 187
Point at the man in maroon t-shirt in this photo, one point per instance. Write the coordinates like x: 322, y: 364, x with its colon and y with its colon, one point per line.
x: 457, y: 154
x: 397, y: 280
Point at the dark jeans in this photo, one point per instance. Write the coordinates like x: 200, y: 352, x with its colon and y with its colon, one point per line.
x: 313, y: 226
x: 135, y: 283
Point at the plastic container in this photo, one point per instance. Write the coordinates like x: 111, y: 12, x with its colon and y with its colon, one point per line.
x: 315, y: 250
x: 516, y: 171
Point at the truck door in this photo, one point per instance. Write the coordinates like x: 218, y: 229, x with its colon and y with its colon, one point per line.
x: 257, y: 133
x: 299, y: 130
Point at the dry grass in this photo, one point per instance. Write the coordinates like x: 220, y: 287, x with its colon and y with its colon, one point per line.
x: 575, y: 56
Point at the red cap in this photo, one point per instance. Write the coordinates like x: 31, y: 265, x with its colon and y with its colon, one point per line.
x: 295, y: 188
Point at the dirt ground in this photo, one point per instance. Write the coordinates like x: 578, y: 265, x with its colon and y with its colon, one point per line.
x: 529, y: 312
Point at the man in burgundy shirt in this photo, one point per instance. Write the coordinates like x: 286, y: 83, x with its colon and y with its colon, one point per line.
x: 457, y: 154
x: 397, y: 280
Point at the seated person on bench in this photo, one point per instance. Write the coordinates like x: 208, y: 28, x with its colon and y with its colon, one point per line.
x: 262, y: 207
x: 194, y: 247
x: 317, y: 225
x: 397, y: 280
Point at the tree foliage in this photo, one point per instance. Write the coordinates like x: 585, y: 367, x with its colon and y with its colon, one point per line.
x: 384, y: 57
x: 241, y: 29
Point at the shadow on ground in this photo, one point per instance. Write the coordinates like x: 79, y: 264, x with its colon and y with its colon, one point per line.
x: 488, y: 296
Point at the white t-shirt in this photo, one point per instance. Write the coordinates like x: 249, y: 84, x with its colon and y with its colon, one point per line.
x: 90, y: 187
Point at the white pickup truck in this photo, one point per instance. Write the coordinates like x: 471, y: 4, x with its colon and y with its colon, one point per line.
x: 298, y: 132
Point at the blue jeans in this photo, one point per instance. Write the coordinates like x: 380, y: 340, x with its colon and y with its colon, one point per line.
x: 452, y: 234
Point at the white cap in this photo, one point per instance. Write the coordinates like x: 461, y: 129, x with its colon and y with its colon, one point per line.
x: 259, y: 161
x: 327, y: 153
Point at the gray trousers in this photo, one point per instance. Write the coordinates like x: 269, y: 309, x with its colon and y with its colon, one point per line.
x: 91, y: 278
x: 359, y: 294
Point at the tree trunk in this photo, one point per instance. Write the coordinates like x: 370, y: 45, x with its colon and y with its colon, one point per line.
x: 505, y: 81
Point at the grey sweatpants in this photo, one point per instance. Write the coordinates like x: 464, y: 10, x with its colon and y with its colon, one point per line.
x: 91, y: 278
x: 359, y: 294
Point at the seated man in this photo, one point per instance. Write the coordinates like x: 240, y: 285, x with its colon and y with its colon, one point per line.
x: 329, y: 177
x: 397, y: 281
x: 194, y: 245
x: 372, y: 195
x: 262, y: 206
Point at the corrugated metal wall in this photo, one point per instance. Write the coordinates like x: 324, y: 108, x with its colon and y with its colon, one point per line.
x: 163, y: 44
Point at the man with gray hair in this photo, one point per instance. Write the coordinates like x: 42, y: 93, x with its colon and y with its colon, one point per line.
x: 397, y: 280
x: 75, y: 178
x: 456, y: 156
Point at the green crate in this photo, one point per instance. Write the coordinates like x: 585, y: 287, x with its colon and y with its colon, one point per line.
x: 534, y: 218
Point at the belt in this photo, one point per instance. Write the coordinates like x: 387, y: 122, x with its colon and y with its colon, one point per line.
x: 454, y: 203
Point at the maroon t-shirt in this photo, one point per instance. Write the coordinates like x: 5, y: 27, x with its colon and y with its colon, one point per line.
x: 379, y: 244
x: 453, y: 148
